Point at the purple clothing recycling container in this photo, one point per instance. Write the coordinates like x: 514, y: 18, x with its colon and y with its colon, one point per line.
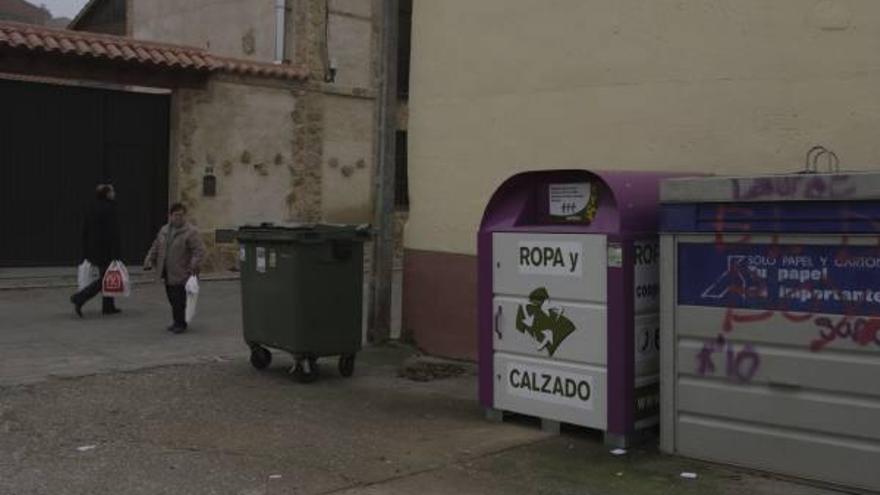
x: 568, y: 300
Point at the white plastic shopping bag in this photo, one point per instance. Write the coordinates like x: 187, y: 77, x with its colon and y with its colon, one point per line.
x: 85, y: 274
x: 192, y: 297
x: 116, y: 281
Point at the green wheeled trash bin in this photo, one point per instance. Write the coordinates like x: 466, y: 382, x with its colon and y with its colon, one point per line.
x: 301, y: 289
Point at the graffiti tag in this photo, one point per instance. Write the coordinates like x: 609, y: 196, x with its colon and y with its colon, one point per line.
x: 740, y: 364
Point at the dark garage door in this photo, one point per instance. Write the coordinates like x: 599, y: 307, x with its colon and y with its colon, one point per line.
x: 56, y: 144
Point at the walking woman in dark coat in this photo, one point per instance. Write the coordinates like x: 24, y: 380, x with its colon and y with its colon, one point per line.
x: 100, y: 246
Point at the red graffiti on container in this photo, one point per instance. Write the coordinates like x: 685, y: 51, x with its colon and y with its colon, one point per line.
x: 862, y: 331
x: 742, y: 364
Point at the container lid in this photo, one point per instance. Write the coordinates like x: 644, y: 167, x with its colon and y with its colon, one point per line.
x: 624, y: 201
x: 303, y: 232
x: 804, y: 203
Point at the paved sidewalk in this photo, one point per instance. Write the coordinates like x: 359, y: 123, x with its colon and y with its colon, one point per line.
x: 41, y: 337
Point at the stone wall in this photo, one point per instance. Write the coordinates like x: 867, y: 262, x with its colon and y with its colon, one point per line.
x: 280, y: 151
x: 244, y: 136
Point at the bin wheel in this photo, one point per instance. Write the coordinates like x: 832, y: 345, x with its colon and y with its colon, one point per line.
x: 260, y: 357
x: 346, y: 365
x: 306, y: 370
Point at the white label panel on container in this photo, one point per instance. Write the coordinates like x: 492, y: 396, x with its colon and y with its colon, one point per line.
x: 544, y: 384
x: 565, y: 259
x: 570, y: 267
x: 568, y: 199
x: 547, y: 389
x: 261, y: 259
x: 646, y: 273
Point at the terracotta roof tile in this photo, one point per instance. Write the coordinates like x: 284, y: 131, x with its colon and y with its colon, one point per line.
x: 51, y: 44
x: 200, y: 63
x: 184, y: 60
x: 142, y: 55
x: 66, y: 46
x: 172, y: 59
x: 82, y: 47
x: 120, y: 49
x: 17, y: 38
x: 127, y: 52
x: 99, y: 49
x: 112, y: 51
x: 34, y: 40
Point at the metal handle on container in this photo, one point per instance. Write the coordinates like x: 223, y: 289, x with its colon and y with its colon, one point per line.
x: 497, y: 322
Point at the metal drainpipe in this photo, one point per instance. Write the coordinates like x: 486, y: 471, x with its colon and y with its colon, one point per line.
x: 280, y: 12
x: 383, y: 243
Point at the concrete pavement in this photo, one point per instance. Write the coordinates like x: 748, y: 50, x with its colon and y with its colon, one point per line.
x: 119, y: 406
x: 41, y: 337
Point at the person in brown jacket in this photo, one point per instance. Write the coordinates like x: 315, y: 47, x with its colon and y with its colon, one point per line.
x: 177, y: 254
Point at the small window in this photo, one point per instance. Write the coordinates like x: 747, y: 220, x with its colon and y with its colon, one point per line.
x: 401, y: 179
x: 404, y: 25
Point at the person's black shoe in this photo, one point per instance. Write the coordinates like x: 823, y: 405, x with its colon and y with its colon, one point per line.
x: 76, y: 306
x: 178, y: 329
x: 112, y: 311
x: 170, y: 328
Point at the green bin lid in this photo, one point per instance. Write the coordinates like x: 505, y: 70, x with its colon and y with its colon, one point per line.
x: 303, y: 232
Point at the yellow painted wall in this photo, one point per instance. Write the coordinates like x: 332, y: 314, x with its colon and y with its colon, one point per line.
x: 721, y: 86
